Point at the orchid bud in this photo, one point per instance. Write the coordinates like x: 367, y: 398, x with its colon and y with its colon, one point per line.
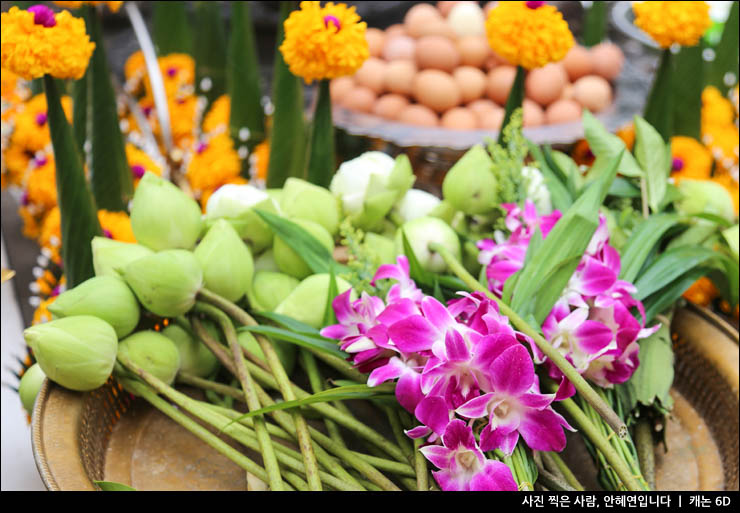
x: 30, y: 386
x: 237, y: 204
x: 166, y: 282
x: 303, y: 200
x: 309, y: 299
x: 269, y: 289
x: 422, y: 232
x: 380, y: 248
x: 110, y: 256
x: 415, y: 204
x: 226, y: 261
x: 195, y: 357
x: 705, y: 197
x: 76, y: 352
x: 470, y: 184
x: 266, y: 262
x: 105, y: 297
x: 290, y: 262
x: 153, y: 352
x: 164, y: 217
x: 286, y: 352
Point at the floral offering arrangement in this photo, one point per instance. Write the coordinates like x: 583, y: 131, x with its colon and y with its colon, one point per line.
x: 204, y: 252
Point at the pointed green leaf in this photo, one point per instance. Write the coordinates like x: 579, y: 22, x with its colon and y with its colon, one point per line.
x: 606, y: 147
x: 300, y: 339
x: 321, y: 163
x: 664, y: 298
x: 78, y: 212
x: 210, y: 50
x: 514, y: 100
x: 172, y: 32
x: 643, y: 239
x: 243, y: 77
x: 653, y: 378
x: 416, y: 271
x: 623, y: 188
x: 559, y: 194
x: 329, y: 317
x: 688, y: 84
x: 594, y: 24
x: 80, y: 101
x: 110, y: 174
x: 288, y: 137
x: 288, y: 323
x: 725, y: 60
x: 669, y: 266
x: 659, y: 107
x: 654, y: 156
x: 112, y: 486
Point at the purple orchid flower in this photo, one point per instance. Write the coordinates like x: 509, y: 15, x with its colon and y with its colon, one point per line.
x: 463, y: 467
x: 405, y: 288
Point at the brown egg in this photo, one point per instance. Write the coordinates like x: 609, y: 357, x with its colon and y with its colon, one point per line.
x: 436, y: 52
x: 500, y: 80
x: 474, y: 50
x: 545, y: 85
x: 399, y: 47
x: 360, y: 99
x: 446, y: 7
x: 491, y: 119
x: 471, y: 81
x: 532, y: 114
x: 567, y: 92
x: 416, y: 114
x: 436, y: 28
x: 578, y: 62
x: 375, y: 41
x: 608, y: 60
x: 593, y: 92
x: 459, y: 118
x: 399, y: 76
x: 419, y: 16
x: 389, y: 106
x: 338, y: 87
x: 372, y: 74
x: 494, y: 60
x: 563, y: 111
x: 395, y: 30
x: 437, y: 90
x: 481, y: 106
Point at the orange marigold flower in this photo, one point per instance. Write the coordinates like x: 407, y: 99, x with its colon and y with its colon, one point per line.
x: 217, y: 119
x: 528, y: 34
x: 702, y: 292
x: 690, y: 159
x: 260, y: 160
x: 113, y: 6
x: 42, y: 313
x: 715, y: 108
x: 670, y: 23
x: 116, y: 225
x: 51, y: 233
x: 324, y: 42
x: 213, y: 163
x: 140, y: 163
x: 41, y: 43
x: 41, y: 189
x: 627, y: 134
x: 731, y: 185
x: 31, y: 128
x: 582, y: 154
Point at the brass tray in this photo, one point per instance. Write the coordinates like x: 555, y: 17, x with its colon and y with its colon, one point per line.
x: 108, y: 435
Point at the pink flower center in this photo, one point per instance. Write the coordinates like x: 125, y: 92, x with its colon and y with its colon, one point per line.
x: 466, y: 459
x: 40, y: 161
x: 332, y: 19
x: 534, y: 5
x: 171, y: 72
x: 42, y: 15
x: 56, y: 291
x: 107, y: 233
x: 41, y: 118
x: 147, y: 110
x: 24, y: 199
x: 138, y: 170
x: 677, y: 164
x: 201, y: 147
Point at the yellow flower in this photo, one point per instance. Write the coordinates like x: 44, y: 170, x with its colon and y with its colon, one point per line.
x: 722, y: 140
x: 140, y: 162
x: 32, y: 49
x: 213, y: 163
x: 116, y: 225
x: 715, y: 108
x: 260, y: 159
x: 42, y: 313
x: 673, y: 22
x: 16, y: 160
x: 14, y: 92
x: 31, y: 130
x: 690, y: 159
x: 217, y: 119
x: 31, y: 226
x: 528, y: 34
x: 178, y: 74
x: 702, y: 292
x: 41, y: 190
x: 134, y: 70
x: 113, y: 6
x: 51, y: 233
x: 725, y: 179
x: 324, y: 42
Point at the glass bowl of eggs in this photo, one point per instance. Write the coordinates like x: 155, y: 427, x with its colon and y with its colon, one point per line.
x: 432, y: 82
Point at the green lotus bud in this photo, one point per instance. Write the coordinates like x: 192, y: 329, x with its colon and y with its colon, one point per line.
x: 237, y: 204
x: 109, y: 256
x: 286, y: 352
x: 226, y: 261
x: 303, y: 200
x: 470, y: 184
x: 153, y: 352
x: 30, y: 386
x: 164, y: 217
x: 444, y: 211
x: 195, y: 357
x: 166, y: 282
x: 266, y: 262
x: 290, y: 262
x: 422, y: 232
x: 308, y: 301
x: 105, y: 297
x: 276, y: 195
x: 705, y: 197
x: 76, y: 352
x: 381, y: 249
x: 269, y: 289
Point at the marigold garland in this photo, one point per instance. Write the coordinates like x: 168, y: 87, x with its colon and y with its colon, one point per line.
x: 528, y: 36
x: 217, y: 119
x: 33, y: 50
x: 324, y: 42
x: 670, y: 23
x: 690, y: 159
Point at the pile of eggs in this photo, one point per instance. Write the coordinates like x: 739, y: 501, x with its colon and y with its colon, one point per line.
x: 437, y: 69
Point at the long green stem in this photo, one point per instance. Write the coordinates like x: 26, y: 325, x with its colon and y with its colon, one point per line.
x: 314, y: 377
x: 583, y: 388
x: 266, y: 449
x: 420, y: 465
x: 645, y: 450
x: 555, y: 459
x: 401, y: 439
